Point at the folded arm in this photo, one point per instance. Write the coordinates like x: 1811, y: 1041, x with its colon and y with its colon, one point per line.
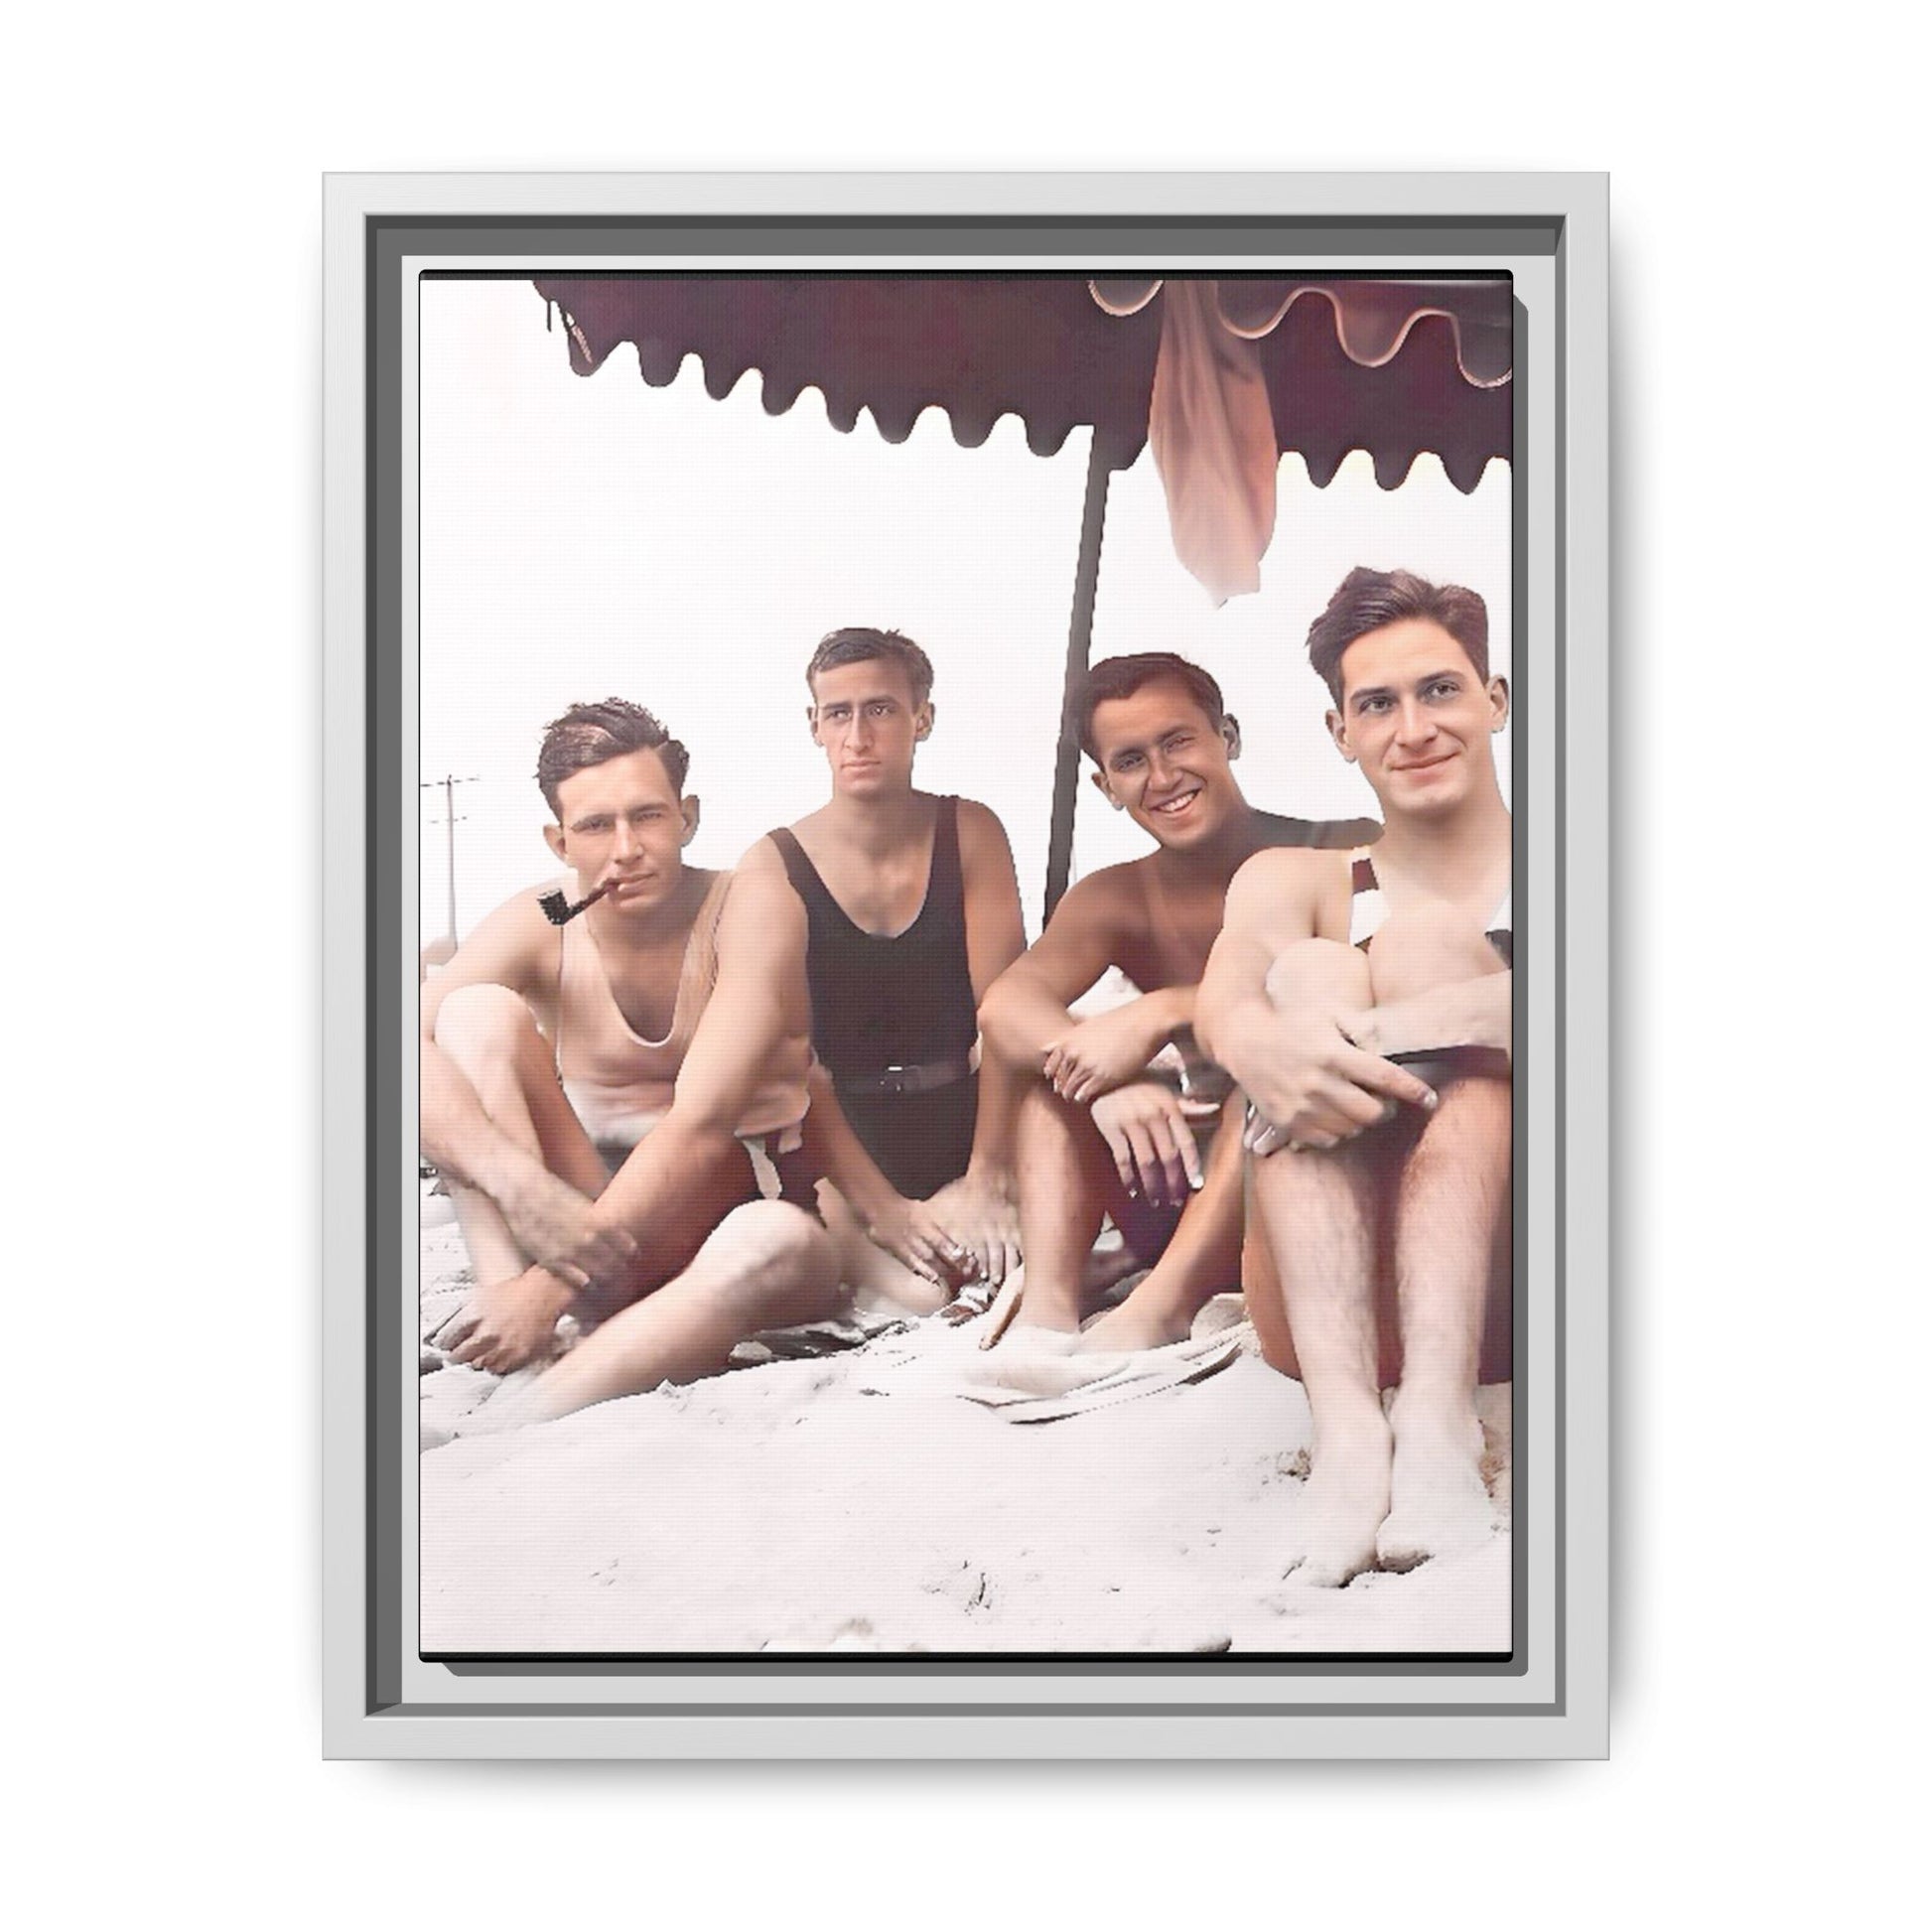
x: 1278, y: 983
x: 1028, y: 1017
x: 755, y: 1012
x: 1463, y: 1013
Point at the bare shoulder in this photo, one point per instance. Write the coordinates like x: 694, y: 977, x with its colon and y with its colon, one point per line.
x: 762, y: 858
x: 1107, y: 893
x: 516, y: 946
x: 518, y: 935
x: 1283, y: 873
x: 759, y: 893
x: 1102, y: 907
x: 979, y: 830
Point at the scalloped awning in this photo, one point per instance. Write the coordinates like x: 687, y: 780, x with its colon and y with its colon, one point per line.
x: 1390, y: 367
x: 1229, y: 372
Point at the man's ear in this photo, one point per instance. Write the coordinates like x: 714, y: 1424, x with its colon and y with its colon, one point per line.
x: 922, y: 720
x: 1231, y: 735
x: 1498, y: 703
x: 553, y: 836
x: 1338, y: 730
x: 692, y: 808
x: 1100, y: 785
x: 811, y: 721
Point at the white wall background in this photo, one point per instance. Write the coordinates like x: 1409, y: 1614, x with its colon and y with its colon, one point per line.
x: 161, y: 344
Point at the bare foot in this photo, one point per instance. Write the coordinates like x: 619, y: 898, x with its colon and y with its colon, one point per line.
x: 1041, y: 1311
x: 1134, y: 1325
x: 1346, y: 1500
x: 1439, y: 1506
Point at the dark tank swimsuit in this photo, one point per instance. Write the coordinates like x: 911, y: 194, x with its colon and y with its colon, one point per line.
x: 894, y: 1019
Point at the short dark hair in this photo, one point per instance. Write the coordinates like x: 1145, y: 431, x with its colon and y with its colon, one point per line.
x: 1369, y: 598
x: 595, y: 733
x: 856, y: 644
x: 1121, y: 677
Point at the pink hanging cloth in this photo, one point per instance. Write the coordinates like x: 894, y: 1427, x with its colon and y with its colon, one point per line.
x: 1212, y: 432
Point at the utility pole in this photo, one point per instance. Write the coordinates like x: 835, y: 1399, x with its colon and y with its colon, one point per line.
x: 446, y: 784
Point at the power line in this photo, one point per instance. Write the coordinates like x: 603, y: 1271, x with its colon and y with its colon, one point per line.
x: 446, y: 784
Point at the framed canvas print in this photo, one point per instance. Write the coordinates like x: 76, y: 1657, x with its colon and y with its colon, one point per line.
x: 965, y: 1005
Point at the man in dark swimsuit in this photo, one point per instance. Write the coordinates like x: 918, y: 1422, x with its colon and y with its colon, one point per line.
x: 1380, y: 1189
x: 911, y: 911
x: 1102, y: 1130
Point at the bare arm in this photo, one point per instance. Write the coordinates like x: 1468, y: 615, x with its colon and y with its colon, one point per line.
x: 755, y: 1008
x: 514, y: 948
x: 996, y: 936
x: 1277, y: 899
x: 1278, y: 983
x: 1027, y: 1008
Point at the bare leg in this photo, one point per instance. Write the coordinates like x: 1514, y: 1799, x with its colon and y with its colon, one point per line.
x: 1202, y: 1259
x: 1319, y: 1214
x: 1451, y: 1198
x: 767, y: 1266
x: 1066, y: 1184
x: 491, y: 1037
x: 873, y: 1275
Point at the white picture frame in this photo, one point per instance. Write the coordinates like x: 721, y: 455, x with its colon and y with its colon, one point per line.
x: 1549, y: 233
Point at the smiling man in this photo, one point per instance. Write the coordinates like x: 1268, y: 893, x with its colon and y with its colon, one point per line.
x: 1103, y: 1129
x: 909, y: 910
x: 1363, y: 1004
x: 620, y: 1105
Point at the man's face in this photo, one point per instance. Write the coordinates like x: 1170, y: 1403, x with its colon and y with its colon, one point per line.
x: 864, y: 719
x: 621, y: 823
x: 1164, y: 760
x: 1416, y: 716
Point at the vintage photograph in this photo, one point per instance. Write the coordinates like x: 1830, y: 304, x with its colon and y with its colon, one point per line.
x: 967, y: 1031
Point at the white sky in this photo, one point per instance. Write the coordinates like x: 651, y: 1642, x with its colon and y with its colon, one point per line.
x: 593, y: 538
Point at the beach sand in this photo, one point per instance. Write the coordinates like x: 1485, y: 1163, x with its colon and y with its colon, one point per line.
x: 855, y: 1502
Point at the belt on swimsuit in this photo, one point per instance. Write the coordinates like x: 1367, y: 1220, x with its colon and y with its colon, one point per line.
x: 926, y: 1077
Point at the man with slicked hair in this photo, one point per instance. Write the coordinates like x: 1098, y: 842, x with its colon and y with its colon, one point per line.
x: 1118, y: 1104
x: 1363, y: 1002
x: 620, y: 1104
x: 909, y: 911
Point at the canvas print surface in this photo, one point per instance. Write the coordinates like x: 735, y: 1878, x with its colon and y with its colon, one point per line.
x: 967, y: 960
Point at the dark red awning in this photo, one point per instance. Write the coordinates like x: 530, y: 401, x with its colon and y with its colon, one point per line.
x: 1392, y: 367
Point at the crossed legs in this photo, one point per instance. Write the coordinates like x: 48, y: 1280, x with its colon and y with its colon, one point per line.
x: 766, y: 1264
x: 718, y: 1266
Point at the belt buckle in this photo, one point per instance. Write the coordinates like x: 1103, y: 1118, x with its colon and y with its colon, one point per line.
x: 892, y: 1080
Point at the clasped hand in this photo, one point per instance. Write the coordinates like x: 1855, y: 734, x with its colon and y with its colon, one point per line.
x: 1100, y: 1054
x: 982, y: 1213
x: 1311, y: 1086
x: 912, y: 1232
x: 556, y: 1226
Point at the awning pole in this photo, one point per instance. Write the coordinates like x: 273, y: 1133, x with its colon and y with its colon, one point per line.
x: 1079, y: 645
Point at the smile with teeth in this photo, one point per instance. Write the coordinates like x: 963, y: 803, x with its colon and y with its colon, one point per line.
x: 1174, y: 807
